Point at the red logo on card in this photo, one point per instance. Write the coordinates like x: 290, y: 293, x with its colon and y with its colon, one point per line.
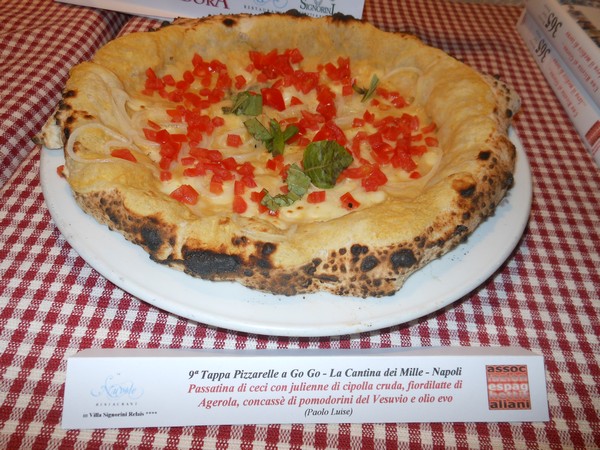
x: 508, y: 387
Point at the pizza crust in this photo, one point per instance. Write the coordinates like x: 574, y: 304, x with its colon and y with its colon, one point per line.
x: 366, y: 253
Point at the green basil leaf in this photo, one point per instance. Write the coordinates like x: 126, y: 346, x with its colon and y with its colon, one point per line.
x: 277, y: 144
x: 276, y: 202
x: 257, y: 130
x: 274, y: 139
x: 323, y: 162
x: 367, y: 93
x: 298, y: 183
x: 245, y: 103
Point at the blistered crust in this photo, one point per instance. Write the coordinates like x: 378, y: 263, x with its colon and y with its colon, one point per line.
x: 380, y: 246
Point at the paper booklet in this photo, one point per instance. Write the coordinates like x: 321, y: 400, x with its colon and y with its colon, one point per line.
x: 170, y: 9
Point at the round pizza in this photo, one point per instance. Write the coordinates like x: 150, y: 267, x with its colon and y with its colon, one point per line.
x: 286, y: 153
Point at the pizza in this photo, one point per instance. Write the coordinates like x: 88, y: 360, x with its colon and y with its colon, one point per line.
x: 289, y: 154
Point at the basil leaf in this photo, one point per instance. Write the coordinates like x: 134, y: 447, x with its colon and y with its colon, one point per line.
x: 297, y: 182
x: 257, y: 130
x: 367, y: 93
x: 323, y: 162
x: 274, y: 139
x: 277, y: 143
x: 245, y: 103
x: 276, y: 202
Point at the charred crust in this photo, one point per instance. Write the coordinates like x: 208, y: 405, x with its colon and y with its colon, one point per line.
x: 356, y: 250
x: 70, y: 93
x: 344, y: 18
x: 403, y: 258
x: 205, y: 263
x: 239, y: 241
x: 229, y: 22
x: 311, y: 269
x: 268, y: 248
x: 467, y: 192
x: 295, y: 13
x: 460, y: 229
x: 369, y: 263
x: 485, y: 155
x: 151, y: 238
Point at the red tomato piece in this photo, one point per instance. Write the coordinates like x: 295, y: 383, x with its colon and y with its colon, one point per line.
x: 273, y: 97
x: 239, y: 204
x: 234, y: 140
x: 331, y: 132
x: 349, y: 202
x: 185, y: 194
x: 374, y: 180
x: 316, y: 197
x: 123, y: 153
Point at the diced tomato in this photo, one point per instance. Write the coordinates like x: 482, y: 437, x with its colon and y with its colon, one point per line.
x: 374, y: 180
x: 245, y: 169
x: 239, y: 204
x: 294, y: 55
x: 257, y: 196
x: 429, y: 128
x: 165, y: 175
x: 347, y: 90
x: 218, y: 121
x: 185, y: 194
x: 123, y: 153
x: 349, y: 202
x: 358, y: 172
x: 216, y: 185
x: 316, y: 197
x: 188, y: 161
x: 273, y: 97
x: 430, y: 141
x: 234, y: 140
x: 402, y: 160
x: 239, y: 187
x: 240, y: 82
x: 331, y: 132
x: 229, y: 163
x: 60, y: 170
x: 295, y: 101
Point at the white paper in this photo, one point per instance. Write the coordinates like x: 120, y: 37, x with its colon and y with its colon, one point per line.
x: 170, y: 9
x: 146, y: 388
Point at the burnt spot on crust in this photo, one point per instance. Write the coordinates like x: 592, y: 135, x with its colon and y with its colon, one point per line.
x: 70, y: 93
x: 356, y: 250
x: 403, y: 258
x: 344, y: 18
x: 484, y: 155
x: 240, y: 241
x: 468, y: 191
x: 229, y: 22
x: 369, y: 263
x: 151, y: 237
x: 311, y: 269
x: 205, y: 263
x: 268, y: 248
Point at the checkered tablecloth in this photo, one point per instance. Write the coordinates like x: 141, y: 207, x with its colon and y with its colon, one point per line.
x: 545, y: 298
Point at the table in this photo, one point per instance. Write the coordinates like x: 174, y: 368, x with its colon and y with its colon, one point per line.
x: 545, y: 298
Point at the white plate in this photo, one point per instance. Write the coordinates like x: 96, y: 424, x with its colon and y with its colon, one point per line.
x: 232, y: 306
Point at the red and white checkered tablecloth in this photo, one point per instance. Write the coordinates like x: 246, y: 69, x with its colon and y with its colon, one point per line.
x: 545, y: 298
